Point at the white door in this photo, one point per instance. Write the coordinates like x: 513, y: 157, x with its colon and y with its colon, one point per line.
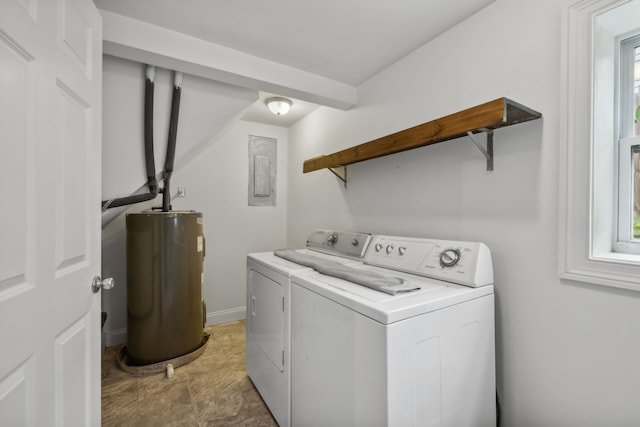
x: 50, y: 158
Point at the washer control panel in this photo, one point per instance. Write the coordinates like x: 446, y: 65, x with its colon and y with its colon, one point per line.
x: 464, y: 263
x: 349, y: 244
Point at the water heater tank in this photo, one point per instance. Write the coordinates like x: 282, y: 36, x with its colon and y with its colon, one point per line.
x: 165, y: 310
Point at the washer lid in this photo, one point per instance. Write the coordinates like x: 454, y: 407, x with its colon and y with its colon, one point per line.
x: 275, y: 263
x: 286, y: 268
x: 385, y: 308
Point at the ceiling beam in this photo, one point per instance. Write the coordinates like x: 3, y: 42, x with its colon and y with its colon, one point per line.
x: 139, y: 41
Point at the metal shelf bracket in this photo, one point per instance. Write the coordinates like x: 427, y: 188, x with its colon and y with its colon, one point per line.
x: 488, y: 152
x: 340, y: 172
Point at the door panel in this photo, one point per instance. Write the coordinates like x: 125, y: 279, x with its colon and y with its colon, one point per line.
x: 17, y: 401
x: 73, y: 371
x: 16, y: 113
x: 76, y: 35
x: 50, y: 118
x: 71, y: 231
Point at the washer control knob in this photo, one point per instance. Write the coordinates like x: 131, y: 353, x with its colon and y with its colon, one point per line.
x: 332, y: 239
x: 402, y: 250
x: 449, y: 257
x: 355, y: 242
x: 378, y: 247
x: 389, y: 249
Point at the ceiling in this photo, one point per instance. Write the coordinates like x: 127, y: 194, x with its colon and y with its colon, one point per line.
x: 347, y: 41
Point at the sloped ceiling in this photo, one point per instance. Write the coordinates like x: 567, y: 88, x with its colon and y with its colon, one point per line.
x: 344, y: 41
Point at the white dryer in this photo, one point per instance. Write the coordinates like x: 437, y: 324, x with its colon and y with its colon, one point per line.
x: 361, y: 357
x: 268, y: 312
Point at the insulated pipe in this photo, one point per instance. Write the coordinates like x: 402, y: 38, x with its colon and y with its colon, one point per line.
x: 129, y: 200
x: 148, y: 134
x: 148, y: 149
x: 171, y: 144
x: 151, y: 73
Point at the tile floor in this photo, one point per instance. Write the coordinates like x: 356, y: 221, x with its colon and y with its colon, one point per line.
x: 212, y: 390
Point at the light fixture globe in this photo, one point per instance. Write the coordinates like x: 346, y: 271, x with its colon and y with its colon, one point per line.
x: 278, y: 105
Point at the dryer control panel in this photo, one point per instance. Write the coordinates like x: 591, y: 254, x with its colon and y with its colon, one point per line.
x: 348, y: 244
x: 464, y: 263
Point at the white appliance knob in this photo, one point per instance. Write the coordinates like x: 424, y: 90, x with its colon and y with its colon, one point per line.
x: 355, y: 242
x: 378, y: 247
x: 332, y: 239
x: 389, y: 249
x: 402, y: 250
x: 449, y: 257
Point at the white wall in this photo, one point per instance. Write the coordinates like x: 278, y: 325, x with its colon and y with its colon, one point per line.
x: 217, y: 184
x: 567, y: 353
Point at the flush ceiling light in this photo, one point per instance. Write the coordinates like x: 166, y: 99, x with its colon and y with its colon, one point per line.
x: 278, y: 106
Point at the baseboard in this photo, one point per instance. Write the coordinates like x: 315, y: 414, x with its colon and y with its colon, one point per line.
x: 226, y: 316
x: 117, y: 337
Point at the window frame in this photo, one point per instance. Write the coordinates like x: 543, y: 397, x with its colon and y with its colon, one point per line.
x: 588, y: 154
x: 627, y: 45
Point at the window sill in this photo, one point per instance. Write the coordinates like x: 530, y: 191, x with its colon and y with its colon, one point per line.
x: 612, y: 269
x: 618, y: 258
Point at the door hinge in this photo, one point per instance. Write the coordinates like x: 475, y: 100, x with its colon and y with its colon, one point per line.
x: 282, y: 357
x: 282, y: 304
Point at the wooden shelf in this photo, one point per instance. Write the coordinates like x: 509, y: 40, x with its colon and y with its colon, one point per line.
x: 486, y: 117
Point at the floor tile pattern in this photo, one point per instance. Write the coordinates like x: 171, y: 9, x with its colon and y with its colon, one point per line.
x: 211, y: 391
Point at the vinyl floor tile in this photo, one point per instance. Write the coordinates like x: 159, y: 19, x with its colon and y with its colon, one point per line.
x: 213, y: 390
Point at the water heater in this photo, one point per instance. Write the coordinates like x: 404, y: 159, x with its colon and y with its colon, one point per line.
x: 165, y: 310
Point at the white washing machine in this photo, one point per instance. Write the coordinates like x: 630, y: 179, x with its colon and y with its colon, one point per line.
x: 268, y: 312
x: 361, y: 357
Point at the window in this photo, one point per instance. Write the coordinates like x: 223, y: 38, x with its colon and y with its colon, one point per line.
x: 628, y: 76
x: 600, y: 144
